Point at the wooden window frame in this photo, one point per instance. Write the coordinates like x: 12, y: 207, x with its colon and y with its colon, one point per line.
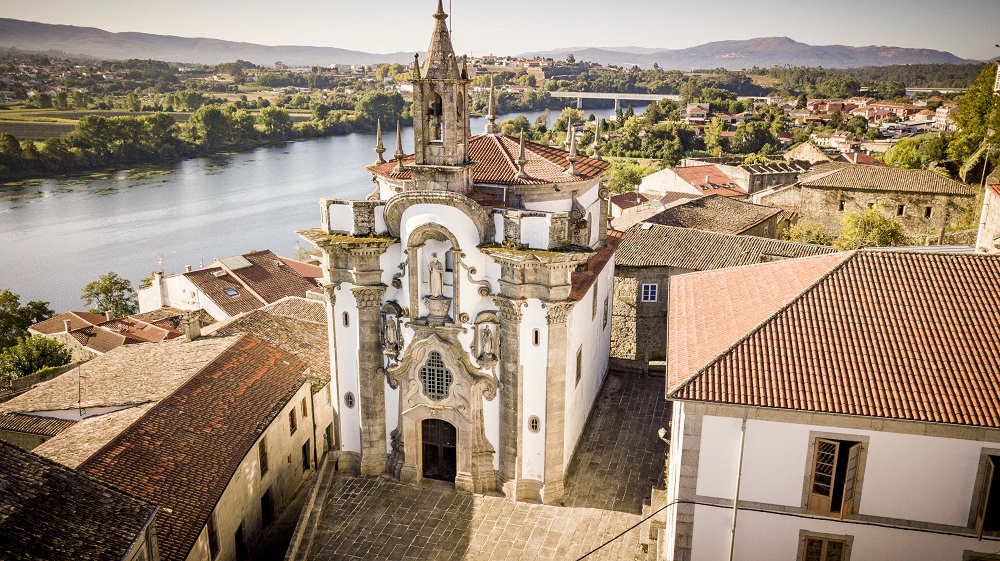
x: 262, y: 457
x: 305, y: 409
x: 979, y: 503
x: 850, y: 503
x: 847, y: 540
x: 293, y: 422
x: 579, y: 365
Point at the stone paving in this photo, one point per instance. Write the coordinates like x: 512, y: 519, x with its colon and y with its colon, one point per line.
x: 619, y: 459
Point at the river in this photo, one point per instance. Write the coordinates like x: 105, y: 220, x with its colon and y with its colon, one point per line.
x: 56, y: 235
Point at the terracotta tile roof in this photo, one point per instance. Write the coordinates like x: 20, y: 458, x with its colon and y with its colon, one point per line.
x: 140, y: 329
x: 306, y: 339
x: 859, y: 158
x: 170, y: 318
x: 213, y: 283
x: 582, y: 280
x: 718, y: 182
x: 707, y: 316
x: 485, y: 200
x: 697, y: 250
x: 102, y: 340
x: 270, y: 279
x: 48, y: 511
x: 305, y: 309
x: 305, y: 270
x: 995, y: 189
x: 184, y: 452
x: 33, y: 424
x: 898, y: 335
x: 76, y: 321
x: 496, y: 158
x: 628, y: 200
x: 126, y: 376
x: 885, y: 178
x: 715, y: 213
x: 74, y: 445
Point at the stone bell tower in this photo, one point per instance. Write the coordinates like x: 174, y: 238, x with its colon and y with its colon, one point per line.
x: 441, y: 115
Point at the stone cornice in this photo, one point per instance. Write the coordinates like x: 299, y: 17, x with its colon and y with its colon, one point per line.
x: 557, y: 312
x: 343, y: 242
x: 398, y: 205
x: 369, y: 296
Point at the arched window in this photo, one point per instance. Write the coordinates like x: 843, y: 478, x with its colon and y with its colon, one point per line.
x: 435, y: 110
x: 435, y: 377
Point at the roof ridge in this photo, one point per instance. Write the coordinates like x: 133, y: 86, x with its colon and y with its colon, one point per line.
x: 509, y: 159
x: 687, y: 381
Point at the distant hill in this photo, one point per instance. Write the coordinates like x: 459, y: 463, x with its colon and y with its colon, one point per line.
x: 763, y: 52
x: 90, y: 41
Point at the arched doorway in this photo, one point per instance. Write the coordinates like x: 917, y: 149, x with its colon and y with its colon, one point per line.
x: 440, y: 459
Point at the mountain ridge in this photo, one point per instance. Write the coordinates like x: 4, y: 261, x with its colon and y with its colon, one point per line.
x: 733, y: 54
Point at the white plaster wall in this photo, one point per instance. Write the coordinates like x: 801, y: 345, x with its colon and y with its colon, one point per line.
x: 380, y: 226
x: 341, y: 218
x: 871, y: 543
x: 498, y: 227
x: 240, y: 502
x: 586, y: 330
x: 534, y: 362
x: 347, y: 367
x: 673, y: 477
x: 907, y: 477
x: 535, y: 232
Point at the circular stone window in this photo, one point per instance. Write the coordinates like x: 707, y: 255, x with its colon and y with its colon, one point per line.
x: 349, y: 400
x: 534, y: 423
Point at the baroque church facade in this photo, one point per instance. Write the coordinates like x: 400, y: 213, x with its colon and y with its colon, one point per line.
x: 468, y: 300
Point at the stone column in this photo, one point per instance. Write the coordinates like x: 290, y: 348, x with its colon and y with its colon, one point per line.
x: 371, y: 384
x: 351, y: 464
x: 510, y: 393
x: 556, y: 375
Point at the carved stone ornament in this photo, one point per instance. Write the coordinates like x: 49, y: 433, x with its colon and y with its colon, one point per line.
x: 486, y: 339
x: 485, y: 288
x: 604, y: 193
x: 369, y: 296
x: 397, y: 279
x: 467, y: 375
x: 396, y: 206
x: 510, y: 310
x: 557, y: 312
x: 391, y: 334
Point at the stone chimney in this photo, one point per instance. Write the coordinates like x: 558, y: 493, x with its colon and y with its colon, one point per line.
x: 192, y: 326
x: 187, y: 268
x: 108, y: 316
x: 66, y: 326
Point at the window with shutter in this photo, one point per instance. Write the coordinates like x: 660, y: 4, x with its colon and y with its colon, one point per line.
x: 824, y: 549
x: 987, y: 510
x: 850, y: 481
x: 835, y: 478
x: 824, y: 468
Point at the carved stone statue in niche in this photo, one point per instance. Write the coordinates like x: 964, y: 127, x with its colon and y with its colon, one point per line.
x: 488, y: 348
x: 392, y: 337
x: 435, y: 278
x: 485, y: 346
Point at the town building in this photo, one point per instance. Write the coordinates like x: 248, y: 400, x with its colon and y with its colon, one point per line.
x: 753, y: 177
x: 649, y: 255
x: 725, y: 215
x: 468, y: 300
x: 48, y: 511
x: 231, y: 286
x: 988, y: 240
x: 222, y: 456
x: 844, y: 404
x: 698, y: 181
x: 924, y: 202
x: 87, y: 335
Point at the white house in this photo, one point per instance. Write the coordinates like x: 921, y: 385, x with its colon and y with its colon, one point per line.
x: 468, y: 299
x: 848, y: 404
x: 988, y: 240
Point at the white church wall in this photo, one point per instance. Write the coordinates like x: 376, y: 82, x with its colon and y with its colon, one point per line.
x: 341, y: 218
x: 347, y: 366
x: 534, y: 361
x: 587, y: 332
x: 391, y: 414
x: 535, y: 232
x: 498, y: 227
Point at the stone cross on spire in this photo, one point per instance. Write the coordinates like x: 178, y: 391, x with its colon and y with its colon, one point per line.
x: 399, y: 149
x: 491, y: 114
x: 379, y: 146
x: 441, y: 63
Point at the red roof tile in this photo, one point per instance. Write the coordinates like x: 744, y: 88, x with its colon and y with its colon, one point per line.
x: 583, y: 280
x: 271, y: 279
x: 76, y: 321
x: 718, y: 182
x: 213, y: 284
x: 912, y: 336
x: 183, y: 453
x: 33, y: 424
x: 496, y: 159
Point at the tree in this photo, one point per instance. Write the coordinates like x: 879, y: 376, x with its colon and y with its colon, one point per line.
x: 15, y: 318
x: 384, y: 106
x: 713, y: 136
x: 977, y: 116
x: 30, y: 355
x: 209, y: 127
x: 275, y: 122
x: 516, y: 126
x: 626, y: 176
x: 871, y: 228
x: 917, y: 152
x: 111, y: 293
x: 807, y: 232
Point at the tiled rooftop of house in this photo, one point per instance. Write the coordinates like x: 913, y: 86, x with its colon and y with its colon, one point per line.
x: 33, y: 424
x: 896, y: 335
x: 885, y: 178
x: 48, y: 511
x: 171, y: 318
x: 129, y: 375
x: 710, y: 180
x: 628, y: 200
x: 79, y: 441
x: 76, y: 320
x: 582, y: 280
x: 715, y: 213
x: 183, y: 453
x: 496, y: 157
x: 654, y: 245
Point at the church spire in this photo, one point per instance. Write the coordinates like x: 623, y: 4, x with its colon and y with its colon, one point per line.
x: 597, y: 140
x: 572, y: 158
x: 441, y: 63
x: 522, y: 160
x: 379, y: 146
x: 399, y: 148
x: 491, y: 114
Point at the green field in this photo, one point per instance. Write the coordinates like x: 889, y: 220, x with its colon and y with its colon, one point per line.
x: 39, y: 124
x: 34, y: 130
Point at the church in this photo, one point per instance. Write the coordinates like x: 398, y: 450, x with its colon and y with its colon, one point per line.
x: 468, y: 299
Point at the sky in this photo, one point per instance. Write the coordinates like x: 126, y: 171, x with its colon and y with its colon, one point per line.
x: 967, y: 28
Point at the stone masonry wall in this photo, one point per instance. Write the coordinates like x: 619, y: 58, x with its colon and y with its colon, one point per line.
x: 639, y: 329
